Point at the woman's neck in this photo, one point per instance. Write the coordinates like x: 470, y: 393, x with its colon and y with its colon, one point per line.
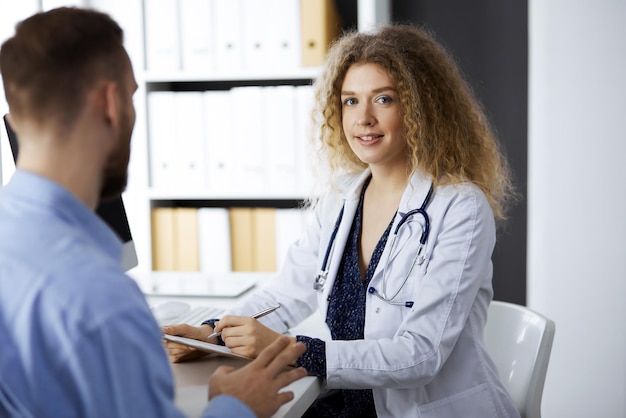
x: 388, y: 183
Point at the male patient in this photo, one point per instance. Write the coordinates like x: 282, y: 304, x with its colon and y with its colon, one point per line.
x: 77, y: 338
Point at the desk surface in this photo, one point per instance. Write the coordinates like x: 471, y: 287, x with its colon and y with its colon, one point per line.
x: 192, y: 378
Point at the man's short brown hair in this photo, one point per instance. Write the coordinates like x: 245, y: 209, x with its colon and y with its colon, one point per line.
x: 55, y: 57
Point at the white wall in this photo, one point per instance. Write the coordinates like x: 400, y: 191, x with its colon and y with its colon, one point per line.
x: 577, y: 200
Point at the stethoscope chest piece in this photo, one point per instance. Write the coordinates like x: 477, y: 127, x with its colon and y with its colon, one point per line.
x: 320, y: 281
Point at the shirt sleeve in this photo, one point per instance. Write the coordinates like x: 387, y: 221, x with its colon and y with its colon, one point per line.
x: 211, y: 323
x: 314, y: 358
x: 224, y: 406
x: 118, y: 367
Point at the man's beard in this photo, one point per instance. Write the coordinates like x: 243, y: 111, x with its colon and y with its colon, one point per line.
x: 116, y: 172
x: 114, y: 184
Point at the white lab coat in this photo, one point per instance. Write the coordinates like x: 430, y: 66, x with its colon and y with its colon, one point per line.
x: 424, y: 361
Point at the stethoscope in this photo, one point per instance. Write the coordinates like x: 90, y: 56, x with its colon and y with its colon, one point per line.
x: 320, y: 279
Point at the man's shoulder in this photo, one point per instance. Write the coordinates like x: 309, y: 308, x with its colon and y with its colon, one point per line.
x: 85, y: 285
x: 97, y: 282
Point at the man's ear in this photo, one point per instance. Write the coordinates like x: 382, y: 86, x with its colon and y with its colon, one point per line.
x: 110, y: 96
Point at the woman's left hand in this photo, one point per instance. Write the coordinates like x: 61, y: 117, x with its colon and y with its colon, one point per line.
x: 245, y: 335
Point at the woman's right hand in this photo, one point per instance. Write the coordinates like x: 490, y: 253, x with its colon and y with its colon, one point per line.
x: 179, y: 353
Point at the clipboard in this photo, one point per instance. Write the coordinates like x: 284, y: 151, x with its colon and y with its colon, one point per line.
x: 204, y: 346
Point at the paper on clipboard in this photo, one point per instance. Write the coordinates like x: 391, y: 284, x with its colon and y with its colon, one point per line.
x: 204, y: 346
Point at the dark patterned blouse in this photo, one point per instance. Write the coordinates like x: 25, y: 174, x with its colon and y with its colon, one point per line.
x: 346, y: 321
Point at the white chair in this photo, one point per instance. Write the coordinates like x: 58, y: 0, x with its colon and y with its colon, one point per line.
x: 519, y: 341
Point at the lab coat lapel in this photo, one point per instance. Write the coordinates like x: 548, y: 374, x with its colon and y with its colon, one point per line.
x: 351, y: 203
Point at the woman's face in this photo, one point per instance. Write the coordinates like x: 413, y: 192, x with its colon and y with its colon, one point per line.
x: 371, y: 116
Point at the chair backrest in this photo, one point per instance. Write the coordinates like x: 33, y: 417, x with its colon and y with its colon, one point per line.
x: 519, y: 341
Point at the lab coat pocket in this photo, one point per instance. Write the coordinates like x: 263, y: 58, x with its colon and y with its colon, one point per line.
x: 476, y: 399
x: 390, y: 301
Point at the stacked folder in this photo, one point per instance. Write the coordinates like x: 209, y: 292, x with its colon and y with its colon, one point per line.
x: 220, y: 240
x: 243, y: 141
x: 222, y: 36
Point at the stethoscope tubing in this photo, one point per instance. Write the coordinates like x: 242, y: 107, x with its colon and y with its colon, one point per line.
x: 422, y: 211
x: 416, y: 260
x: 320, y: 279
x: 331, y: 242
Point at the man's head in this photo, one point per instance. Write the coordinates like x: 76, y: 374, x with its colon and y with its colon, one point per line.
x: 52, y: 66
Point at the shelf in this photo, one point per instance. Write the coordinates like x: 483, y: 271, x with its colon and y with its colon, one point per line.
x: 299, y: 74
x: 222, y: 196
x: 208, y: 78
x: 177, y: 195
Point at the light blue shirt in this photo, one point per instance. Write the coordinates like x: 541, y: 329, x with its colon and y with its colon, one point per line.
x: 77, y: 338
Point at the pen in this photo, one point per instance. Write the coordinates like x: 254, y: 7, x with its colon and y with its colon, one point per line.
x: 255, y: 316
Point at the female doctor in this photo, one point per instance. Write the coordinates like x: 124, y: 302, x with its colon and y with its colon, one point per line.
x: 398, y: 256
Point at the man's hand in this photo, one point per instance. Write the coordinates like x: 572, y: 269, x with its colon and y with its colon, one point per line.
x: 179, y: 353
x: 258, y: 383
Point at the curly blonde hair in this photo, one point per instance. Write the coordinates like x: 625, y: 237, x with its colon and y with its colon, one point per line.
x: 447, y: 132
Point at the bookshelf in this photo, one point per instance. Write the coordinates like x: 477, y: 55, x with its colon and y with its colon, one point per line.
x: 170, y: 77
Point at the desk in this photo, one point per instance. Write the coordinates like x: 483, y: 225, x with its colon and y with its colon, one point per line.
x: 191, y: 380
